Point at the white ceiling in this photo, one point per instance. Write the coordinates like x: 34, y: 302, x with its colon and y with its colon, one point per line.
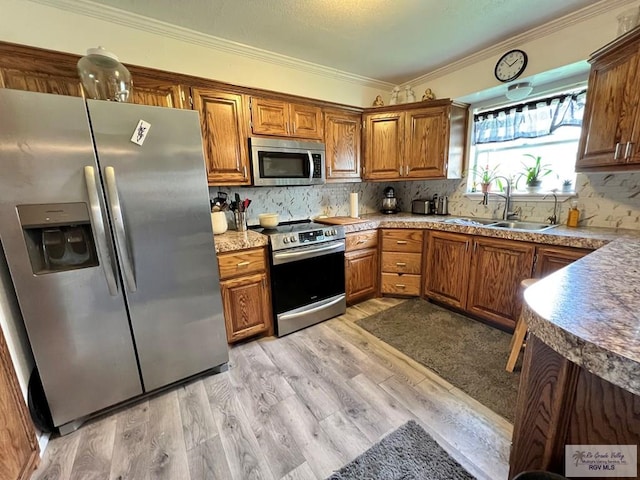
x: 387, y: 40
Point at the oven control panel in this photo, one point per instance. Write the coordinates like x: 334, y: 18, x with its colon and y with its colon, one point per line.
x: 293, y: 239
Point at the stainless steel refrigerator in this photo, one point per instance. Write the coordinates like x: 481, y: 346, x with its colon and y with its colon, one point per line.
x: 105, y: 225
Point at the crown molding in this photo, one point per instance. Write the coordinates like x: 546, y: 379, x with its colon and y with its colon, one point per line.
x: 157, y: 27
x: 528, y: 36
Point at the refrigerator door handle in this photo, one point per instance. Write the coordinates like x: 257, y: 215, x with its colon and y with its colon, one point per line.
x: 100, y: 234
x: 120, y: 233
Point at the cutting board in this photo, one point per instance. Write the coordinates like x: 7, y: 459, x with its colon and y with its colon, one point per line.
x: 338, y: 220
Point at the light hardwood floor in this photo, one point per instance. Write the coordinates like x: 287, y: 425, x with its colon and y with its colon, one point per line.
x: 296, y: 407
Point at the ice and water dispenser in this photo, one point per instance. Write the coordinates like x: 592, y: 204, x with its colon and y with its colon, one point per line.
x: 58, y: 237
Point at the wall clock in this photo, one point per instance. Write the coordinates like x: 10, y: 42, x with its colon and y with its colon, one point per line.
x: 510, y: 65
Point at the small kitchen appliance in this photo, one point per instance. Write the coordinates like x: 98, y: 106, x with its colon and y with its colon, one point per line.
x: 421, y: 206
x: 442, y: 206
x: 389, y: 201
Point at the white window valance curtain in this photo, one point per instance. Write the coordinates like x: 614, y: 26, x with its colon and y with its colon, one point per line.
x: 529, y: 120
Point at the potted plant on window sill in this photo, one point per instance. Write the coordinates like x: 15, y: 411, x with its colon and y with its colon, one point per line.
x: 486, y: 176
x: 567, y: 185
x: 533, y: 174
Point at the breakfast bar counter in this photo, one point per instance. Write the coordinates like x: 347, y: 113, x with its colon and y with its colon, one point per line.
x: 581, y: 374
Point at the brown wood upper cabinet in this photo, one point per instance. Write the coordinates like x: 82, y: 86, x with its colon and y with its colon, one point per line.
x: 224, y: 136
x: 342, y: 134
x: 610, y: 138
x: 34, y: 81
x: 148, y: 91
x: 284, y: 119
x: 425, y: 141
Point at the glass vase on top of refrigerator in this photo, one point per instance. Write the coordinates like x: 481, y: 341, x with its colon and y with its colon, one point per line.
x: 105, y: 226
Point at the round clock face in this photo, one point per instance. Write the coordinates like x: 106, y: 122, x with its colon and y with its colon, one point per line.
x: 510, y: 65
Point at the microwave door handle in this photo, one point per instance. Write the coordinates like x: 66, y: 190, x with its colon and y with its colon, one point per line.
x: 310, y: 165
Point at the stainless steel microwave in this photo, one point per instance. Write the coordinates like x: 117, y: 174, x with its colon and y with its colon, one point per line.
x: 276, y: 162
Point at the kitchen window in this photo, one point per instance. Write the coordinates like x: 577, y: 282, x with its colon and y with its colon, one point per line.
x: 548, y: 127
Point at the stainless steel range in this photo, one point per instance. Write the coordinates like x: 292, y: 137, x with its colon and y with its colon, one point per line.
x: 307, y: 274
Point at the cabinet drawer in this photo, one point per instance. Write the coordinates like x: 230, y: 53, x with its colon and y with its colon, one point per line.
x: 401, y: 284
x: 241, y: 263
x: 399, y: 262
x: 402, y: 241
x: 360, y: 240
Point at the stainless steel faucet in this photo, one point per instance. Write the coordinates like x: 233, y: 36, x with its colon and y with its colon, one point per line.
x: 507, y: 214
x: 553, y: 219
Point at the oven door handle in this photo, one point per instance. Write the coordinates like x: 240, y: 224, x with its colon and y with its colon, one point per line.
x: 285, y: 257
x: 321, y: 306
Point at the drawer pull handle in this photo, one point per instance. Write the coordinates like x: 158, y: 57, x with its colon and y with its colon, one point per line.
x: 243, y: 264
x: 360, y: 242
x: 401, y: 242
x: 616, y: 153
x: 401, y: 264
x: 401, y: 285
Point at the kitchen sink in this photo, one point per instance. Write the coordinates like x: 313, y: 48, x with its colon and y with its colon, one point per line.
x: 530, y: 226
x: 471, y: 221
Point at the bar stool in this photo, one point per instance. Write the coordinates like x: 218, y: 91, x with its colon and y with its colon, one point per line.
x: 520, y: 332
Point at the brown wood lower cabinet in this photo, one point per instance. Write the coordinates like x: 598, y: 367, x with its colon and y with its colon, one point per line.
x: 550, y: 259
x: 247, y: 309
x: 447, y: 268
x: 401, y: 262
x: 560, y: 403
x: 497, y: 268
x: 18, y: 445
x: 480, y: 275
x: 246, y: 296
x: 361, y: 265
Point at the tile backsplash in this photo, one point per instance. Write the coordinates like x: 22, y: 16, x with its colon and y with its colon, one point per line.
x: 604, y: 200
x: 297, y: 203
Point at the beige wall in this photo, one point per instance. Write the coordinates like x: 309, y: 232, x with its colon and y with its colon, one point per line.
x: 28, y: 23
x: 573, y: 43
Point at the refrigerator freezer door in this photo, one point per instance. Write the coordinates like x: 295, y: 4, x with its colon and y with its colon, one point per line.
x: 79, y: 332
x: 159, y: 205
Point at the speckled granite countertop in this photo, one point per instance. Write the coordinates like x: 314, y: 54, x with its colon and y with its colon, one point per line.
x: 589, y: 312
x: 233, y: 240
x: 584, y: 237
x: 591, y: 238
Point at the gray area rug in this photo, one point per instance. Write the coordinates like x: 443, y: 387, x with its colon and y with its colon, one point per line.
x: 465, y: 352
x: 408, y: 453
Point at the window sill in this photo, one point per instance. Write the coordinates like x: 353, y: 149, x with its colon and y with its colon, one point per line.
x: 526, y: 196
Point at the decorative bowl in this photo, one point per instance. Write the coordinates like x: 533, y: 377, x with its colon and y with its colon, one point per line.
x: 269, y: 220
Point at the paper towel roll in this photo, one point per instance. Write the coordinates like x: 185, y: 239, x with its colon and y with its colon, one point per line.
x: 353, y: 205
